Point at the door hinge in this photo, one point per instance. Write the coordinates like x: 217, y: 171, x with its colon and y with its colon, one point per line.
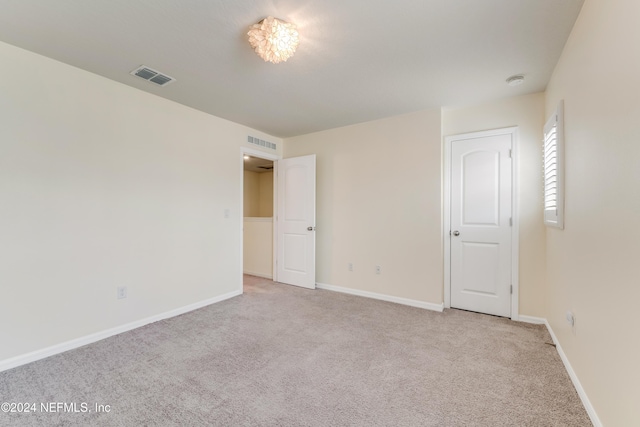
x: 510, y: 153
x: 510, y: 222
x: 511, y: 289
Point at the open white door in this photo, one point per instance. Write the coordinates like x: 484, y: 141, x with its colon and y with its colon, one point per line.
x: 296, y: 221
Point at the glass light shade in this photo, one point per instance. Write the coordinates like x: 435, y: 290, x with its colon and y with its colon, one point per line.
x: 273, y: 40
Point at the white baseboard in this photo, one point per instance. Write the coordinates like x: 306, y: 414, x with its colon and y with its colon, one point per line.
x: 88, y: 339
x: 572, y: 374
x: 383, y: 297
x: 253, y: 273
x: 79, y: 342
x: 574, y: 378
x: 533, y: 320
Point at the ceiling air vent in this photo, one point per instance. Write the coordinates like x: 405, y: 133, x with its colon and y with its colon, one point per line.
x: 152, y: 75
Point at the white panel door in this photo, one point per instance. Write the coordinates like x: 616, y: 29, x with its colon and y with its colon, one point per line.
x: 296, y: 261
x: 481, y: 224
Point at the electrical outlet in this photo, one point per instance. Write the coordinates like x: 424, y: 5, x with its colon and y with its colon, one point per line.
x: 571, y: 318
x: 227, y: 213
x: 378, y: 269
x: 350, y: 266
x: 122, y: 292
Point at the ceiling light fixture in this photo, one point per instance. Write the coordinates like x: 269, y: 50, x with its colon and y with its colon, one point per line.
x: 247, y: 157
x: 515, y: 80
x: 273, y: 40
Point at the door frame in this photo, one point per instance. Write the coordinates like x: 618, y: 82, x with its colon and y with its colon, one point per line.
x: 245, y: 151
x: 446, y: 238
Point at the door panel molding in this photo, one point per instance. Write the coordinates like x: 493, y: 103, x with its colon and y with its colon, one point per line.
x: 513, y: 132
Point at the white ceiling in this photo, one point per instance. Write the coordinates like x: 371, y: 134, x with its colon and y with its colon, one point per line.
x: 358, y: 60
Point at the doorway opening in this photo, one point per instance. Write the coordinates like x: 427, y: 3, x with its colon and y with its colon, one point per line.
x: 258, y: 216
x: 278, y: 238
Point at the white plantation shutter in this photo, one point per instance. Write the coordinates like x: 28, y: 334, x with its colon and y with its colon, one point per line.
x: 553, y: 170
x: 551, y: 167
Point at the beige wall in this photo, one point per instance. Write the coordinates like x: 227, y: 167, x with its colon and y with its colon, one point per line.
x: 526, y: 112
x: 265, y: 195
x: 379, y: 203
x: 258, y: 247
x: 103, y: 185
x: 258, y: 194
x: 593, y: 263
x: 251, y: 205
x: 257, y: 233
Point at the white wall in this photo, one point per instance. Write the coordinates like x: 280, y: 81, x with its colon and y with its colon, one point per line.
x: 379, y: 203
x: 103, y: 185
x: 593, y: 263
x: 526, y: 112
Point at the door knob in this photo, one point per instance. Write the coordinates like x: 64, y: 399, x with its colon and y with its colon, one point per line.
x: 310, y: 228
x: 456, y: 233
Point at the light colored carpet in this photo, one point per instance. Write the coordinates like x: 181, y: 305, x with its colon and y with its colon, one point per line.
x: 285, y: 356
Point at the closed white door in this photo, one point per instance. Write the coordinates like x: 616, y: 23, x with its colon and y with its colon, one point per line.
x: 296, y: 261
x: 481, y: 223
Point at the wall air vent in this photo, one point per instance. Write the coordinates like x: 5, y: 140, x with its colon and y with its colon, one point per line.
x: 152, y: 75
x: 261, y: 143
